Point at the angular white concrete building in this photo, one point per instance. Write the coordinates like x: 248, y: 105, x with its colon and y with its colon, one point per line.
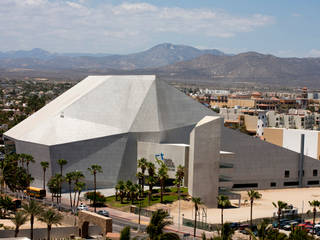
x: 100, y: 120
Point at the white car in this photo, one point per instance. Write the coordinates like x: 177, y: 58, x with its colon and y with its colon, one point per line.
x: 83, y: 207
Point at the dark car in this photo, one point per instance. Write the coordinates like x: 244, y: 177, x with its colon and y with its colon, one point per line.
x: 103, y: 213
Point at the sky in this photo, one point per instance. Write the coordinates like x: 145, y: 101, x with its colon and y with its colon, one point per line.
x: 285, y: 28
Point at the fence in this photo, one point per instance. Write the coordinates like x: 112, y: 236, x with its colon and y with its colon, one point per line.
x: 58, y: 232
x: 144, y: 212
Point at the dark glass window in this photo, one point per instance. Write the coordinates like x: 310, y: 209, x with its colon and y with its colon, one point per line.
x: 315, y: 172
x: 286, y: 173
x: 273, y: 184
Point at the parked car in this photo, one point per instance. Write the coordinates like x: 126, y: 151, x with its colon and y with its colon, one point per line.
x: 290, y: 225
x: 103, y: 213
x: 83, y: 207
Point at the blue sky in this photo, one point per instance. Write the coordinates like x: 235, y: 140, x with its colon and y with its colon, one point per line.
x: 283, y: 28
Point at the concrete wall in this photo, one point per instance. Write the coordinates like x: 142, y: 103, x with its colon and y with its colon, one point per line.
x: 204, y: 160
x: 274, y: 136
x: 173, y: 154
x: 262, y: 163
x: 291, y: 140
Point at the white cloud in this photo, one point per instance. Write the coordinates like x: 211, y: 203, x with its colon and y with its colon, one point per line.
x: 314, y: 53
x: 74, y: 25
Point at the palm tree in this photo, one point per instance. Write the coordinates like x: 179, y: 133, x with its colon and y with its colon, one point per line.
x: 140, y: 177
x: 299, y: 233
x: 151, y: 180
x: 6, y: 204
x: 280, y: 206
x: 50, y: 217
x: 314, y: 204
x: 19, y: 219
x: 28, y: 159
x: 61, y: 163
x: 125, y: 233
x: 157, y: 223
x: 69, y: 178
x: 79, y: 187
x: 94, y: 169
x: 163, y: 176
x: 223, y: 202
x: 77, y: 176
x: 44, y: 166
x: 142, y: 164
x: 122, y: 190
x: 197, y: 202
x: 253, y: 195
x: 32, y: 209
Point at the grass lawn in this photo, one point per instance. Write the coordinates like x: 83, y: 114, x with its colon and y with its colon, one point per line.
x: 169, y: 196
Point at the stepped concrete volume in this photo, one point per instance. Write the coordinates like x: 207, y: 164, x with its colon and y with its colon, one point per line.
x: 100, y: 120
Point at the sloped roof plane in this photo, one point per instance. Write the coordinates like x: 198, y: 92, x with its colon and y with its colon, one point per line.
x: 100, y: 106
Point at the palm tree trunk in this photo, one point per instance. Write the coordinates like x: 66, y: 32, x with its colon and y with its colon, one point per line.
x: 70, y: 195
x: 143, y: 184
x: 314, y: 219
x: 95, y: 193
x: 49, y: 231
x: 195, y: 223
x: 16, y: 231
x: 251, y: 206
x: 161, y: 192
x: 221, y: 217
x: 31, y: 226
x: 44, y: 179
x: 279, y: 217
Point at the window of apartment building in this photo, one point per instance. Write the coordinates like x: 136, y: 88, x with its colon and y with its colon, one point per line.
x: 286, y: 173
x: 315, y: 172
x: 288, y: 184
x: 273, y: 184
x: 316, y: 182
x: 245, y: 185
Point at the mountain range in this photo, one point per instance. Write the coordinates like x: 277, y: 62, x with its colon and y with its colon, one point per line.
x: 175, y: 63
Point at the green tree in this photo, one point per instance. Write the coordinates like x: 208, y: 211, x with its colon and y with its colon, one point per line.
x: 314, y: 204
x: 6, y: 205
x: 223, y: 202
x: 299, y: 233
x: 32, y: 209
x: 162, y: 176
x: 94, y: 169
x: 79, y: 187
x: 151, y: 180
x: 77, y: 177
x: 28, y: 159
x: 157, y: 223
x: 253, y: 195
x: 280, y: 205
x: 122, y: 190
x: 54, y: 185
x: 61, y: 163
x: 125, y: 233
x: 50, y: 217
x: 197, y: 202
x: 19, y: 219
x: 44, y: 166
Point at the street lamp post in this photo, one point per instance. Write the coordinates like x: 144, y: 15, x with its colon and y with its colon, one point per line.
x: 139, y: 215
x: 179, y: 208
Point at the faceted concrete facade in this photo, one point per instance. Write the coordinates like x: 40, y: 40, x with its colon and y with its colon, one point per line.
x: 100, y: 120
x: 204, y: 160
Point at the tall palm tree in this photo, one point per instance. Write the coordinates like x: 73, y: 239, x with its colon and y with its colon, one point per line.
x: 140, y: 177
x: 44, y: 166
x: 122, y: 190
x: 162, y: 176
x: 77, y: 176
x: 151, y: 180
x: 314, y: 204
x: 28, y: 159
x: 253, y: 195
x: 50, y: 217
x: 79, y: 187
x: 19, y: 219
x: 197, y: 202
x: 32, y: 209
x: 223, y: 202
x: 280, y: 205
x: 69, y: 178
x: 142, y: 164
x: 6, y: 204
x: 157, y: 223
x: 61, y: 163
x: 94, y: 169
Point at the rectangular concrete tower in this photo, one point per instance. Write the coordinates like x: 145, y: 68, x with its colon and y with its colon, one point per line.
x: 204, y: 157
